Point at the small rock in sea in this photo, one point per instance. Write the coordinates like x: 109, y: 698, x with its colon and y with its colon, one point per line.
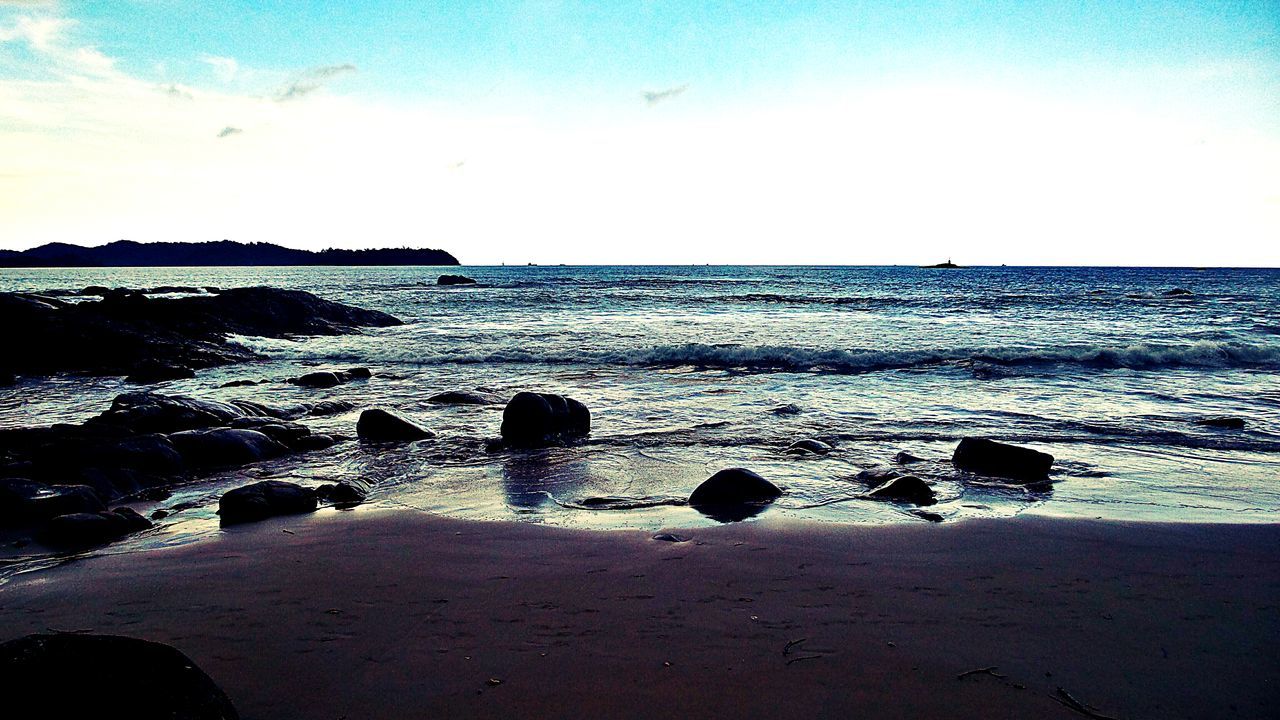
x: 1224, y: 422
x: 540, y: 419
x: 988, y: 457
x: 455, y: 280
x: 331, y: 378
x: 733, y: 494
x: 151, y: 371
x: 310, y: 443
x: 906, y: 458
x: 809, y: 446
x: 77, y: 530
x: 877, y: 475
x: 346, y: 492
x: 25, y: 501
x: 225, y: 446
x: 329, y: 407
x: 791, y: 409
x: 1177, y: 292
x: 377, y: 425
x: 238, y: 383
x: 78, y: 675
x: 932, y: 517
x: 464, y: 397
x: 904, y: 488
x: 159, y: 514
x: 265, y: 499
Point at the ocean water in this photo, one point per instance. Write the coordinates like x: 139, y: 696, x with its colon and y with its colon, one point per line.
x: 683, y: 367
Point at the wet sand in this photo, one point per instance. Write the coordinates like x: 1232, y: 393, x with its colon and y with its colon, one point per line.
x: 399, y: 614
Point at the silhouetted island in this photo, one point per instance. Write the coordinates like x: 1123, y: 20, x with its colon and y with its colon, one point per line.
x: 948, y: 265
x: 127, y: 253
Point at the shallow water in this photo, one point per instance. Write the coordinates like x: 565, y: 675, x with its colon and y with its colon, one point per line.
x: 682, y: 367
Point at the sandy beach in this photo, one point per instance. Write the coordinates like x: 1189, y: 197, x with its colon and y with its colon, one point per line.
x: 399, y: 614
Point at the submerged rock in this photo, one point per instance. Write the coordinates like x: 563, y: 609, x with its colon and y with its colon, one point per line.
x: 904, y: 488
x: 540, y: 419
x: 906, y: 458
x: 877, y: 475
x: 464, y: 397
x: 454, y: 280
x: 791, y: 409
x: 805, y: 447
x: 1178, y: 292
x: 377, y: 425
x: 1224, y: 422
x: 265, y: 499
x: 733, y: 494
x: 86, y: 529
x: 68, y: 675
x: 988, y: 457
x: 331, y: 378
x: 346, y: 492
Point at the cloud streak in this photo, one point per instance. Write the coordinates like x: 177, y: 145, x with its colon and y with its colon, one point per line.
x: 653, y: 97
x: 228, y: 131
x: 312, y: 80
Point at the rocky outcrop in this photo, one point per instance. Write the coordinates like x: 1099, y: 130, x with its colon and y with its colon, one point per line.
x: 24, y: 501
x: 988, y: 457
x: 225, y: 447
x: 733, y: 494
x: 540, y: 419
x: 454, y: 280
x: 77, y: 675
x: 265, y: 499
x: 905, y: 489
x: 379, y: 426
x: 86, y: 529
x: 131, y: 333
x: 331, y: 378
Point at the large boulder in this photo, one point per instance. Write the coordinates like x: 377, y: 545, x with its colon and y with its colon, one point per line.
x: 379, y: 426
x: 73, y: 675
x: 904, y: 488
x: 733, y: 494
x: 988, y: 457
x: 330, y: 378
x: 265, y: 499
x: 225, y: 446
x: 77, y: 530
x: 24, y: 501
x: 540, y: 419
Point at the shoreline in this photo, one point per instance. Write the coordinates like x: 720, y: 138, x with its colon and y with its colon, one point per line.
x: 396, y: 613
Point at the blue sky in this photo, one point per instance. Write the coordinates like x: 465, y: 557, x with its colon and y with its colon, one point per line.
x: 1018, y: 132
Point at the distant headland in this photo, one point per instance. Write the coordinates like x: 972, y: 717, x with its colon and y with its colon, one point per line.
x: 127, y: 253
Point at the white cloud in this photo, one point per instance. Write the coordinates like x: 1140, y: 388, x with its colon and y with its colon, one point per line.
x: 224, y: 68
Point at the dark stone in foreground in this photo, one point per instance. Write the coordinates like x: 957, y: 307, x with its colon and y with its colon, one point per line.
x: 540, y: 419
x: 454, y: 280
x: 377, y: 425
x: 347, y: 492
x: 87, y: 529
x: 103, y: 676
x: 988, y: 457
x: 733, y: 494
x: 265, y: 499
x: 1226, y: 423
x: 129, y: 333
x: 25, y: 501
x: 904, y: 488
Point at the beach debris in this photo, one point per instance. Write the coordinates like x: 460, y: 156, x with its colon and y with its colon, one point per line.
x: 733, y: 494
x: 539, y: 419
x: 791, y: 644
x: 670, y: 537
x: 989, y: 670
x: 493, y: 682
x: 377, y: 425
x: 265, y: 499
x: 988, y: 457
x: 113, y: 676
x: 1065, y: 698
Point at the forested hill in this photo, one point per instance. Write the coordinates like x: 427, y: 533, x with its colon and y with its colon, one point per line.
x: 127, y: 253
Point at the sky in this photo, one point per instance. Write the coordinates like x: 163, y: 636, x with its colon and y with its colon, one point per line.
x: 1020, y: 132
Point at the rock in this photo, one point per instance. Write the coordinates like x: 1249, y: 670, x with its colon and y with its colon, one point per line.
x: 906, y: 458
x: 149, y: 372
x: 322, y: 379
x: 126, y: 330
x: 238, y: 383
x: 145, y: 412
x: 311, y: 443
x: 733, y: 494
x: 805, y: 447
x: 540, y: 419
x: 1224, y: 422
x: 329, y: 407
x: 24, y: 501
x: 877, y: 475
x: 75, y: 675
x: 932, y: 517
x: 76, y: 530
x: 346, y: 492
x: 464, y: 397
x: 791, y: 409
x: 1178, y: 292
x: 360, y: 373
x: 904, y: 488
x: 377, y: 426
x: 988, y: 457
x: 265, y: 499
x: 282, y: 431
x: 225, y: 446
x: 454, y: 280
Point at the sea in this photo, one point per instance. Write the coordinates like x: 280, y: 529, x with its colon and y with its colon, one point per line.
x: 691, y: 369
